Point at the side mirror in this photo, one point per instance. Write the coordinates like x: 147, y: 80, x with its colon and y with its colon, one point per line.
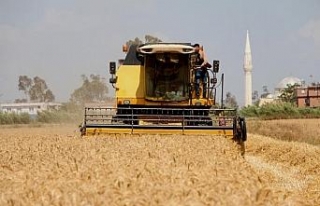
x: 112, y: 68
x: 216, y: 66
x: 113, y: 80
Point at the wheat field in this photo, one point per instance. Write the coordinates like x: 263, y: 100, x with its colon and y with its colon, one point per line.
x: 301, y: 130
x: 53, y: 165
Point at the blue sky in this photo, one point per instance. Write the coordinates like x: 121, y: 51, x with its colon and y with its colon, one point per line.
x: 60, y: 40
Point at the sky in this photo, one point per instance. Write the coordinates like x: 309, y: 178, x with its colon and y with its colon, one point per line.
x: 59, y: 40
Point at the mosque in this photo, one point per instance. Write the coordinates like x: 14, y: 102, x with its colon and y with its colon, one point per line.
x: 306, y: 95
x: 283, y: 84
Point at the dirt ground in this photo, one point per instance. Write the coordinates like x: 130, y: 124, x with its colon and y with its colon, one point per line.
x: 52, y: 165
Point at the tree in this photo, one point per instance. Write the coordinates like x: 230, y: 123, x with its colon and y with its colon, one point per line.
x: 25, y: 84
x: 39, y: 91
x: 265, y: 92
x: 152, y: 39
x: 289, y: 94
x: 49, y: 96
x: 265, y: 89
x: 92, y: 90
x: 230, y: 101
x: 20, y: 101
x: 136, y: 41
x: 255, y: 97
x: 36, y: 89
x: 148, y: 39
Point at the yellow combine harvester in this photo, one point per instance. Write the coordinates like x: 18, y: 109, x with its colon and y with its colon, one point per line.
x: 157, y: 93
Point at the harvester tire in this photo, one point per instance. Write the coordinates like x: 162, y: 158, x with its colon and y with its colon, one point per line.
x: 240, y: 133
x: 243, y: 128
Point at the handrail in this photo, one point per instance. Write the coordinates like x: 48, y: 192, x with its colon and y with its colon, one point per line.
x: 161, y: 116
x: 162, y: 109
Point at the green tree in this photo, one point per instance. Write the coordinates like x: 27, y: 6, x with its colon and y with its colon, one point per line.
x: 265, y: 92
x: 289, y: 94
x: 49, y: 96
x: 230, y: 101
x: 39, y: 91
x: 35, y: 89
x: 135, y: 41
x: 148, y: 39
x: 255, y: 97
x: 151, y: 39
x: 20, y: 101
x: 25, y: 84
x: 92, y: 90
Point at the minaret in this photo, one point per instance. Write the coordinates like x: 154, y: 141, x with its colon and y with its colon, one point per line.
x: 247, y: 67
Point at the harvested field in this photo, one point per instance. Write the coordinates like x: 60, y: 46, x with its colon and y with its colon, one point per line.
x: 54, y: 166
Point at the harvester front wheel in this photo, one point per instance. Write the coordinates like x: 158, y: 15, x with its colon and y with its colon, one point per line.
x: 240, y: 132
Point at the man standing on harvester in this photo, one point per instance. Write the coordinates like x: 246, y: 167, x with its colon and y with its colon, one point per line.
x: 201, y: 74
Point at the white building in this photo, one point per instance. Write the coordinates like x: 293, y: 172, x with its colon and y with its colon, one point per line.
x: 267, y: 99
x: 29, y: 108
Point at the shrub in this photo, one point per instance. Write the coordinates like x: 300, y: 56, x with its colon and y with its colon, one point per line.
x: 13, y: 118
x: 279, y: 111
x: 60, y: 116
x: 57, y: 116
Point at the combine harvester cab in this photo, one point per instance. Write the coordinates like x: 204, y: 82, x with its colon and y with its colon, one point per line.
x: 156, y: 92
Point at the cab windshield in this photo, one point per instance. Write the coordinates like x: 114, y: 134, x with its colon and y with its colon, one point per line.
x: 167, y: 76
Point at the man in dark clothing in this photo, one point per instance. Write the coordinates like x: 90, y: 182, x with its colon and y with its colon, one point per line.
x: 201, y: 74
